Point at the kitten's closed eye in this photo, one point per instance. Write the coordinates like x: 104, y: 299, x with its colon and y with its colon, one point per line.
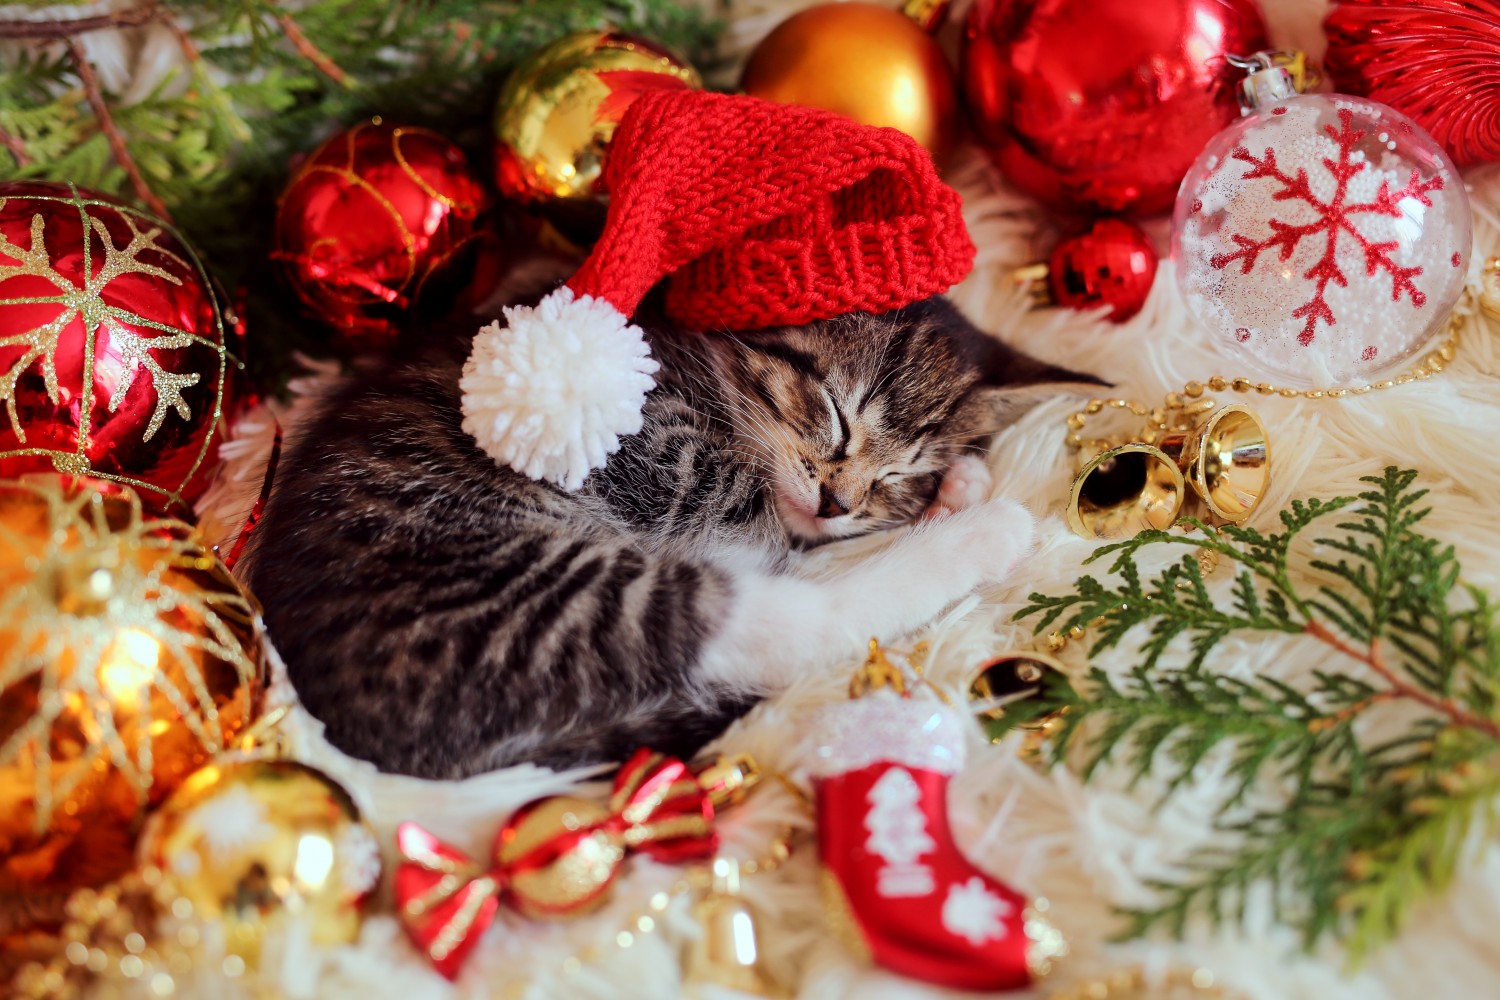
x: 857, y: 417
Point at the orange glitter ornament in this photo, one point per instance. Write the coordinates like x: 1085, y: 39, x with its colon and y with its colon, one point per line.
x: 869, y: 62
x: 127, y: 657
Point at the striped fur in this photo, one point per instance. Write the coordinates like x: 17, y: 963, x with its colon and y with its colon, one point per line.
x: 445, y: 616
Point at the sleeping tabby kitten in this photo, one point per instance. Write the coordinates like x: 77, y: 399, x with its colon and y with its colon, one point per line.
x: 445, y: 616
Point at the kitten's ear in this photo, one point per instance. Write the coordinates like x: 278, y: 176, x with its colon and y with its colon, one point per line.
x: 1010, y: 382
x: 1004, y: 367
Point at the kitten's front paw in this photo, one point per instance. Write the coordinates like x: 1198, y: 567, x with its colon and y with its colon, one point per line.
x: 986, y: 540
x: 965, y: 483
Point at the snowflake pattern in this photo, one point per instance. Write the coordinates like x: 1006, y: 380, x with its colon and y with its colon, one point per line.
x: 86, y: 303
x: 973, y: 912
x: 1334, y: 220
x: 144, y: 556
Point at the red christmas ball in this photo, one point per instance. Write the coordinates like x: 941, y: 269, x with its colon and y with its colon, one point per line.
x: 1102, y: 105
x: 1112, y: 263
x: 1437, y: 61
x: 113, y: 360
x: 371, y: 220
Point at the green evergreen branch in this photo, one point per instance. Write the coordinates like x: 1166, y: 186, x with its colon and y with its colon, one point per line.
x: 264, y: 84
x: 1362, y: 830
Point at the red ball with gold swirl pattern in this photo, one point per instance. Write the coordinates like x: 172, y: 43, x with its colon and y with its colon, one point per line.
x: 371, y: 220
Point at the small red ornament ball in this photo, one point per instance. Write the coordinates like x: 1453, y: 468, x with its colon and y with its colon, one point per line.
x: 112, y: 346
x: 1436, y: 61
x: 1112, y: 263
x: 369, y: 220
x: 1102, y: 105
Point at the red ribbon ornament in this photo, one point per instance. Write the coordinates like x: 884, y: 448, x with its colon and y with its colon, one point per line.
x: 558, y: 856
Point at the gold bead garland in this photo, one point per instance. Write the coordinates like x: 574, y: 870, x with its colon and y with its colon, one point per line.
x: 1191, y: 398
x: 1134, y: 983
x: 101, y: 938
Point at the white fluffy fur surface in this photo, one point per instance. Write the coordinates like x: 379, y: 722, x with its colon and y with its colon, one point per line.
x: 1086, y: 848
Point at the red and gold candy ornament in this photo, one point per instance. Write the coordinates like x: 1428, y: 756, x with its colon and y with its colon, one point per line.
x: 558, y: 856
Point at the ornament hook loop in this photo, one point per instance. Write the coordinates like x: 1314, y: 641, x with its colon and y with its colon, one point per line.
x: 1251, y: 63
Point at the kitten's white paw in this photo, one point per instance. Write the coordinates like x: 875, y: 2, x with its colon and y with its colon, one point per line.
x: 982, y: 544
x: 965, y: 483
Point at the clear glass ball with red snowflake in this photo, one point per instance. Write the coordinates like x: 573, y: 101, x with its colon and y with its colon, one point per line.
x: 1322, y: 240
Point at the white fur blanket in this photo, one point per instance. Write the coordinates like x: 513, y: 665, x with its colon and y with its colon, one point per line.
x: 1085, y: 848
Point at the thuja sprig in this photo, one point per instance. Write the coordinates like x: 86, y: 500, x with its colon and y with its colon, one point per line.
x: 1360, y: 830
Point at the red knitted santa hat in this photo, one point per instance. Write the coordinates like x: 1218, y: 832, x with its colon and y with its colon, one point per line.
x: 758, y: 214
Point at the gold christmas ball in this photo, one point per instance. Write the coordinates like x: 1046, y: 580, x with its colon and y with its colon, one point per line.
x: 253, y: 845
x: 560, y: 107
x: 579, y: 855
x: 869, y: 62
x: 128, y: 656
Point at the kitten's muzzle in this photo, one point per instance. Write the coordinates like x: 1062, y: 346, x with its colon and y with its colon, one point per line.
x: 830, y: 504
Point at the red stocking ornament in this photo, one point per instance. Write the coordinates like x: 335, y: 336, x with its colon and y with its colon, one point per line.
x: 898, y: 887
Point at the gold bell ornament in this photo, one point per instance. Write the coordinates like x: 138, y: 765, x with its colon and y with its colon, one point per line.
x: 1004, y: 693
x: 727, y: 954
x: 249, y: 847
x: 869, y: 61
x: 1192, y: 448
x: 1221, y: 454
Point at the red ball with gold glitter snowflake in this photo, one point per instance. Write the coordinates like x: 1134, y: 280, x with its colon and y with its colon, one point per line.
x: 1322, y: 239
x: 112, y: 346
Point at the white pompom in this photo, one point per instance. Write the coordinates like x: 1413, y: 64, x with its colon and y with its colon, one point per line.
x: 552, y: 391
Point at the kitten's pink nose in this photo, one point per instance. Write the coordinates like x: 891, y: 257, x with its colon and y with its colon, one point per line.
x: 830, y: 505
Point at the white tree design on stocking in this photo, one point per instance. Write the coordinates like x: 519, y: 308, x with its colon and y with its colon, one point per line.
x: 898, y: 834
